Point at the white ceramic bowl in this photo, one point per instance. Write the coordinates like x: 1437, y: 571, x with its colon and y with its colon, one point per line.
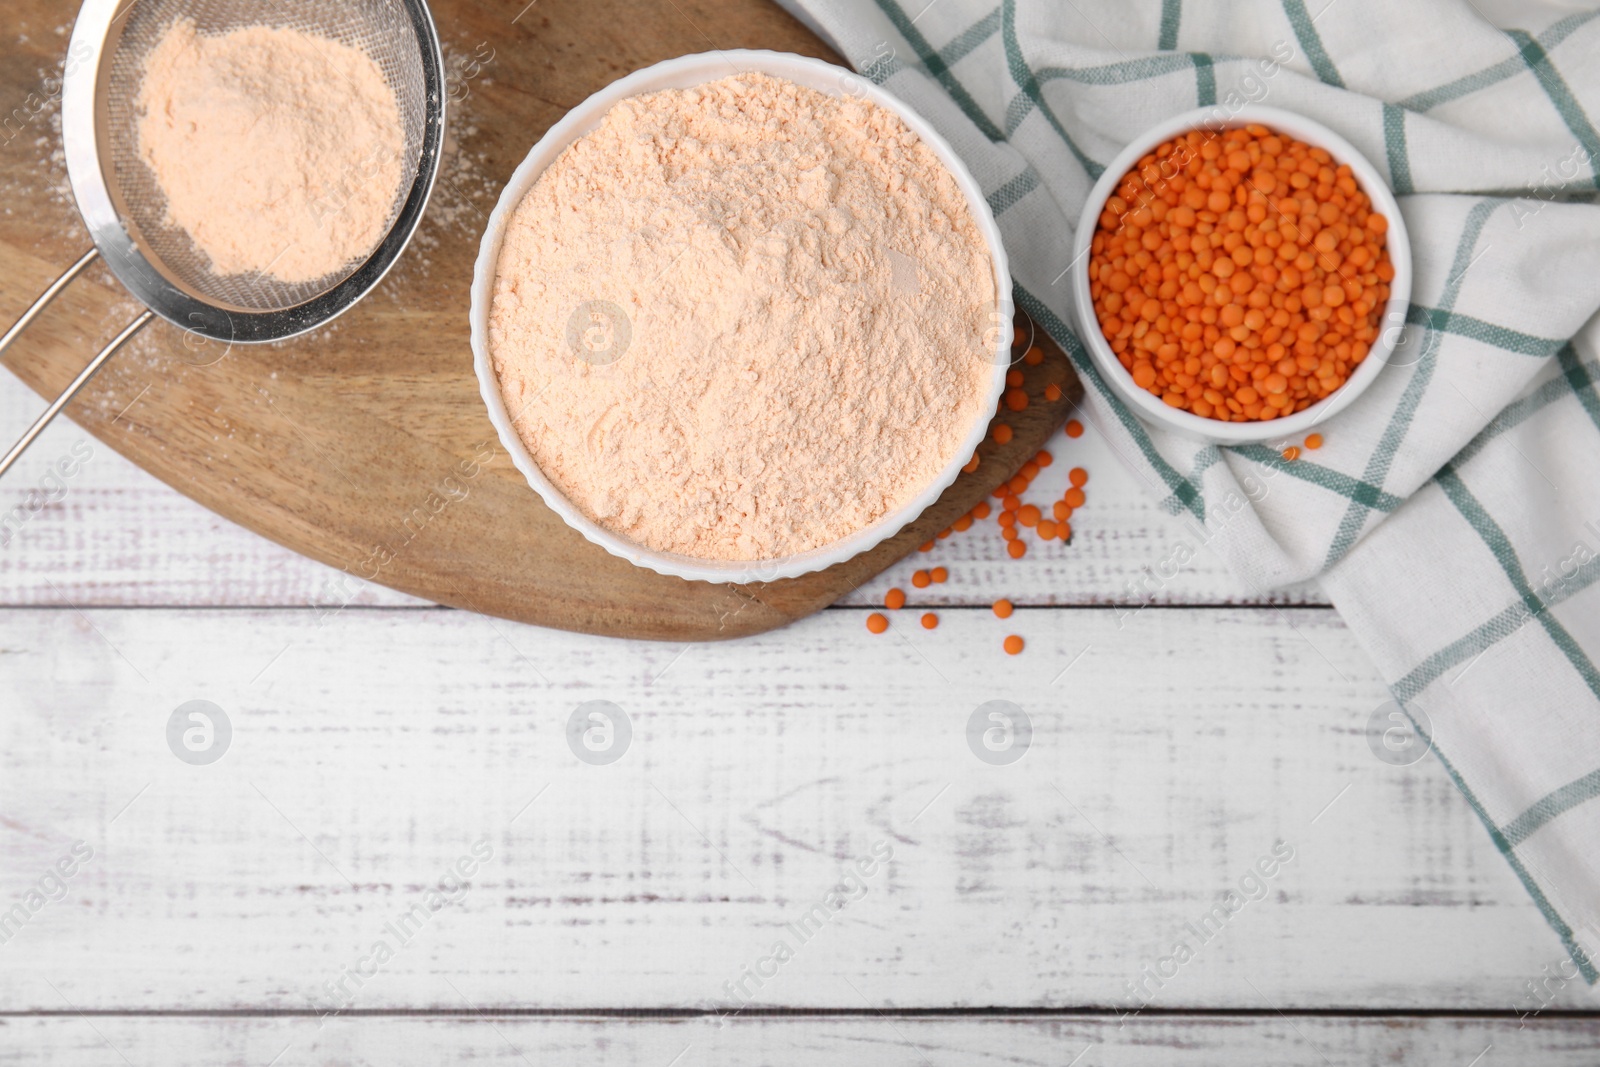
x: 683, y: 73
x: 1150, y: 407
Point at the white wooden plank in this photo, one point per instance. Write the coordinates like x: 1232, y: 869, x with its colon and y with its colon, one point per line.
x: 881, y: 1041
x: 371, y: 750
x: 113, y: 535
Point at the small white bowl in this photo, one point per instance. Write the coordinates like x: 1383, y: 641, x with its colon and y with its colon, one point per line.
x: 684, y: 73
x: 1150, y: 407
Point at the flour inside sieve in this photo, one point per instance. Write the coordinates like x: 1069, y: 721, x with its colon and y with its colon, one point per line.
x: 277, y: 151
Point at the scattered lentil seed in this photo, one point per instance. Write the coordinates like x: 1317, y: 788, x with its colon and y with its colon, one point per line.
x: 1013, y: 515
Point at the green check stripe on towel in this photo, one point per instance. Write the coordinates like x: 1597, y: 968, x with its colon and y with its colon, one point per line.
x: 1381, y: 458
x: 1453, y: 515
x: 1549, y: 806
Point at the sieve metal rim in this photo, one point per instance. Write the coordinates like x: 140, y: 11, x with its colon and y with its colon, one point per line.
x: 96, y: 27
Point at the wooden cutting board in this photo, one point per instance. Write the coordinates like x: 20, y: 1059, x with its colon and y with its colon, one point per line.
x: 365, y: 444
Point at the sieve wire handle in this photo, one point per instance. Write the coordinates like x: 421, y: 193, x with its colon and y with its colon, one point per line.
x: 47, y: 296
x: 83, y: 376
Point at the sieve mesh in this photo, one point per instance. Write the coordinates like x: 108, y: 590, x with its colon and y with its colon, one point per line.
x: 382, y: 29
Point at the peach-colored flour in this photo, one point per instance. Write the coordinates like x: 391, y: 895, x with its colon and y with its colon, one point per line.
x: 744, y: 320
x: 278, y: 151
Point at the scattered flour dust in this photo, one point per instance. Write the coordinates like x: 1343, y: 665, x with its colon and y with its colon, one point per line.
x: 804, y: 292
x: 279, y: 151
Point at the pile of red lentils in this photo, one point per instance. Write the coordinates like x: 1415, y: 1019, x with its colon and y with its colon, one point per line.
x: 1239, y: 275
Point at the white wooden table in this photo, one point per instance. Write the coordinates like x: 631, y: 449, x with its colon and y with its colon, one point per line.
x: 375, y: 747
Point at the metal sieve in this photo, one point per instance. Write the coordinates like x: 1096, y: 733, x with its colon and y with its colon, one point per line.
x: 124, y: 209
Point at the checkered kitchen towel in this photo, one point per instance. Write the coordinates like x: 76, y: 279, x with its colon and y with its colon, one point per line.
x: 1454, y: 514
